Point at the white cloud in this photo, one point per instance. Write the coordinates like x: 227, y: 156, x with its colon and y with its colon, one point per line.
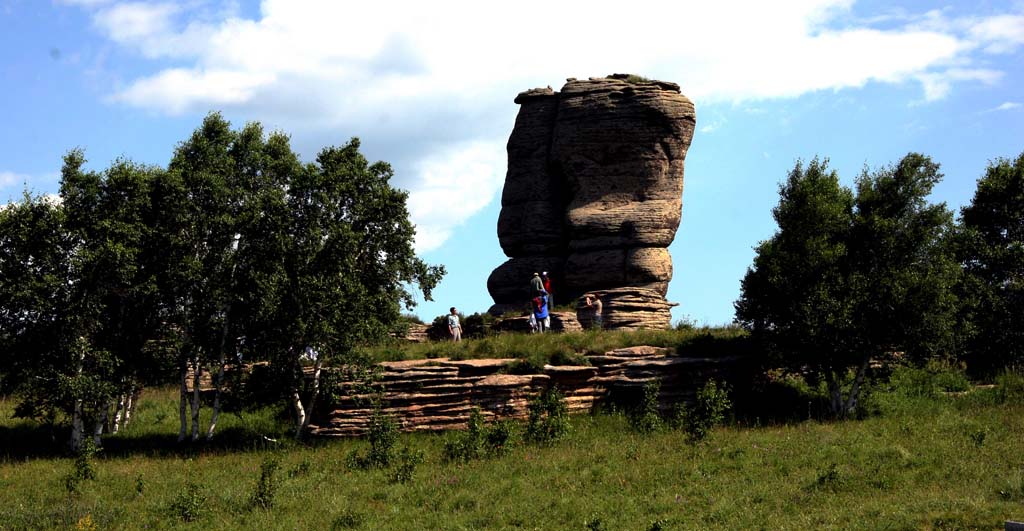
x: 454, y: 184
x: 8, y: 178
x: 1008, y: 106
x: 432, y: 73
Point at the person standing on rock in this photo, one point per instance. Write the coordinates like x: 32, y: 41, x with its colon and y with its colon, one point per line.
x: 454, y: 326
x: 594, y: 303
x: 540, y: 311
x: 536, y: 285
x: 547, y: 287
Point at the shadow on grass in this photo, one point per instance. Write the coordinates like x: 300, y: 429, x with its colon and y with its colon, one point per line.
x: 25, y: 440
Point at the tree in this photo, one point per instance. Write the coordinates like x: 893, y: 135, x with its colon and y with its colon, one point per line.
x: 77, y: 295
x: 343, y: 268
x: 991, y: 251
x: 795, y: 296
x: 846, y: 278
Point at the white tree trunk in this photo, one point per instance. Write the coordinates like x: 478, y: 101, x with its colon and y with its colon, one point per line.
x: 220, y: 379
x: 317, y: 366
x: 129, y: 410
x: 300, y: 413
x: 119, y: 412
x: 101, y: 421
x: 182, y: 404
x: 77, y: 427
x: 77, y: 424
x: 196, y: 381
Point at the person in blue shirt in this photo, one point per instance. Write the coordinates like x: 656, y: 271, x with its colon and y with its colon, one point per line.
x: 540, y: 311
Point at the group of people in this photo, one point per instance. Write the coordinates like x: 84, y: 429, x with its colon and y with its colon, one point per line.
x: 540, y: 305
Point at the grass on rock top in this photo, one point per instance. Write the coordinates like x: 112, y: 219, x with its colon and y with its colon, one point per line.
x: 568, y: 348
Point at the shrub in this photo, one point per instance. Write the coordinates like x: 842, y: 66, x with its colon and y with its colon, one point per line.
x: 405, y: 465
x: 266, y: 486
x: 478, y: 325
x: 928, y: 381
x: 644, y: 417
x: 1010, y: 386
x: 708, y: 410
x: 348, y: 519
x: 189, y: 503
x: 549, y: 417
x: 480, y: 440
x: 383, y: 435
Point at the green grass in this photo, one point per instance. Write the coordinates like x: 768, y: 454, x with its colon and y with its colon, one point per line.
x: 569, y: 347
x: 917, y: 464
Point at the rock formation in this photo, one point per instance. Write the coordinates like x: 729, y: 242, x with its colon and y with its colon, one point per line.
x: 593, y: 192
x: 440, y: 394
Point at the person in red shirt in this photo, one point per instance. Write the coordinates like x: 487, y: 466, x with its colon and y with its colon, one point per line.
x: 547, y: 287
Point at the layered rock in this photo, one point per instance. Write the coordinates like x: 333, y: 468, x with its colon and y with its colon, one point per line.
x: 431, y: 395
x: 628, y: 309
x: 593, y: 192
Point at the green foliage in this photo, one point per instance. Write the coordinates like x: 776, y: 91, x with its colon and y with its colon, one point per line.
x: 549, y: 417
x: 348, y: 519
x: 480, y: 440
x: 190, y: 504
x: 751, y: 477
x: 267, y: 485
x: 848, y: 276
x: 709, y: 409
x: 991, y: 249
x: 645, y: 417
x: 930, y: 380
x: 478, y: 325
x: 404, y: 469
x: 383, y: 435
x: 1010, y: 387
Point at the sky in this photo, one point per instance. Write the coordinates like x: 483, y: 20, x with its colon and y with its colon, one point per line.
x: 429, y: 87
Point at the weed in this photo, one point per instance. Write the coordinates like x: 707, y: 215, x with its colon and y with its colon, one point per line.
x: 1012, y: 488
x: 1010, y: 387
x: 300, y: 469
x: 140, y: 485
x: 348, y: 519
x: 189, y: 504
x: 658, y: 525
x: 710, y: 406
x: 405, y: 465
x: 828, y: 479
x: 594, y: 524
x: 266, y: 486
x: 85, y: 523
x: 84, y: 468
x: 645, y: 417
x: 978, y: 437
x: 549, y: 417
x: 467, y: 445
x: 383, y: 436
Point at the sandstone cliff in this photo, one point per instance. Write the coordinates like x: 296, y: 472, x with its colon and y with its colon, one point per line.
x: 593, y: 192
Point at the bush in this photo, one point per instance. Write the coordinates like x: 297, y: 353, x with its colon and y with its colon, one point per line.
x: 383, y: 435
x: 644, y: 417
x: 1010, y: 387
x: 929, y: 381
x: 477, y: 326
x: 479, y: 440
x: 266, y: 486
x: 708, y: 410
x: 405, y: 465
x: 549, y: 417
x: 189, y: 503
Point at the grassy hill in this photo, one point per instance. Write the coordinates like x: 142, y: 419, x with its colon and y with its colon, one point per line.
x: 921, y: 459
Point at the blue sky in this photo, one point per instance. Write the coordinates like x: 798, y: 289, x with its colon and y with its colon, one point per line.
x: 429, y: 88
